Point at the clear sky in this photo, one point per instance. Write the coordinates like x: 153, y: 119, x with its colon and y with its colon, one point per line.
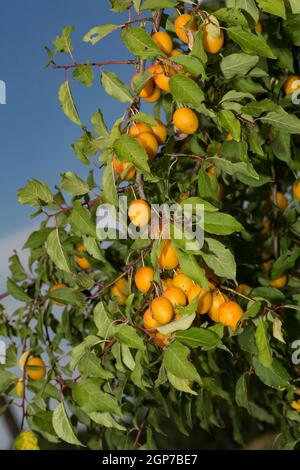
x: 35, y: 136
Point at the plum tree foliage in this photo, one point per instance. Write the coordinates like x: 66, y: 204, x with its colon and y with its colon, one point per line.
x: 210, y: 117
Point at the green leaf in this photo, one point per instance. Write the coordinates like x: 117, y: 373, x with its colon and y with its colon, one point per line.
x: 99, y: 125
x: 35, y: 193
x: 247, y: 5
x: 127, y: 335
x: 143, y: 117
x: 72, y: 184
x: 157, y: 4
x: 62, y: 426
x: 227, y: 121
x: 220, y: 259
x: 262, y: 342
x: 238, y: 169
x: 182, y: 324
x: 68, y: 296
x: 16, y: 268
x: 106, y: 420
x: 109, y: 191
x: 139, y: 43
x: 250, y: 42
x: 90, y: 398
x: 128, y: 149
x: 194, y: 201
x: 241, y: 391
x: 176, y: 362
x: 80, y: 220
x: 231, y: 16
x: 67, y: 103
x: 199, y: 337
x: 190, y: 64
x: 275, y: 376
x: 115, y: 88
x: 238, y: 65
x: 186, y: 91
x: 252, y: 311
x: 63, y: 43
x: 90, y: 364
x: 191, y: 268
x: 284, y: 122
x: 56, y: 251
x: 275, y: 7
x: 7, y: 379
x: 127, y: 357
x: 102, y: 321
x: 219, y: 223
x: 85, y: 74
x: 99, y: 32
x: 183, y: 385
x: 38, y: 238
x: 295, y: 6
x: 93, y: 249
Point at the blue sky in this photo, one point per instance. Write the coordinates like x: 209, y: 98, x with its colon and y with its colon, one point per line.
x: 35, y: 136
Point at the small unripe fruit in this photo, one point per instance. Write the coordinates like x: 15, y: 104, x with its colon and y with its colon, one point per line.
x: 164, y: 41
x: 186, y: 120
x: 258, y: 27
x: 83, y: 263
x: 182, y: 24
x: 230, y: 314
x: 26, y: 440
x: 168, y: 258
x: 139, y: 212
x: 296, y: 189
x: 20, y: 387
x: 143, y: 279
x: 162, y: 310
x: 35, y: 368
x: 120, y: 290
x: 281, y: 201
x: 212, y: 45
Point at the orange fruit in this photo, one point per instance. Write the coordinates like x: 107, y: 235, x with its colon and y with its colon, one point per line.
x: 154, y: 97
x: 164, y: 41
x: 160, y: 132
x: 138, y: 128
x: 53, y: 289
x: 168, y: 258
x: 176, y: 52
x: 120, y: 168
x: 120, y: 290
x: 214, y: 148
x: 139, y: 212
x: 229, y: 138
x: 281, y: 201
x: 148, y: 88
x: 176, y: 296
x: 149, y: 322
x: 266, y: 226
x: 259, y: 27
x: 20, y: 387
x: 218, y: 298
x: 161, y: 76
x: 186, y: 120
x: 162, y: 310
x: 212, y: 45
x: 80, y: 248
x: 35, y: 368
x: 149, y: 142
x: 241, y: 288
x: 230, y: 313
x: 296, y: 189
x: 161, y: 340
x: 183, y: 282
x: 143, y: 279
x: 204, y: 298
x: 182, y: 24
x: 166, y: 283
x: 280, y: 282
x: 83, y: 263
x: 291, y: 85
x: 267, y: 265
x: 211, y: 171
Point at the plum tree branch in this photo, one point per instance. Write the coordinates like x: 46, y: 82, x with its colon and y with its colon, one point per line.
x: 96, y: 64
